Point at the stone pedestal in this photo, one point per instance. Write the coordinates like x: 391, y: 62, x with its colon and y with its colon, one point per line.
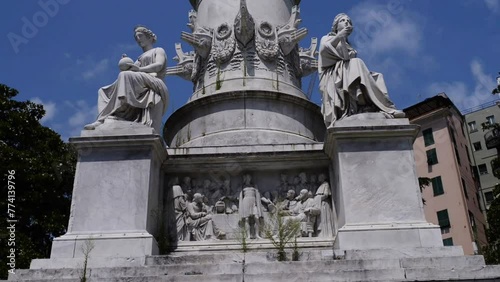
x: 378, y: 199
x: 116, y: 196
x: 245, y: 118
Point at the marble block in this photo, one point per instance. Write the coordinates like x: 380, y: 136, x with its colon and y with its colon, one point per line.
x: 378, y: 198
x: 116, y: 196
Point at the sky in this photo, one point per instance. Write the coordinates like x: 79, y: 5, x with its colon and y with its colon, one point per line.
x: 60, y: 52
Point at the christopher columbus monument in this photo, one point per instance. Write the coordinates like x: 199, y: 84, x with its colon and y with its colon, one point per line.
x: 207, y: 196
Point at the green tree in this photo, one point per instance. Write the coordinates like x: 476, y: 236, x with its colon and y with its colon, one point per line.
x: 43, y: 167
x: 492, y: 251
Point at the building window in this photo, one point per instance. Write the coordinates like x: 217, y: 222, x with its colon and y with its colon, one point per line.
x: 490, y: 120
x: 437, y: 186
x: 443, y: 219
x: 483, y: 169
x: 489, y: 197
x: 465, y: 189
x: 477, y: 146
x: 432, y: 158
x: 458, y: 155
x: 428, y: 137
x: 472, y: 221
x: 472, y: 126
x: 448, y: 242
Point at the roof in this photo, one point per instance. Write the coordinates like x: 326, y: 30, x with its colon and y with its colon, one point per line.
x: 431, y: 104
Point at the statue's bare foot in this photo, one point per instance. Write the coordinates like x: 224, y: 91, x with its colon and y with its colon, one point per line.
x: 92, y: 126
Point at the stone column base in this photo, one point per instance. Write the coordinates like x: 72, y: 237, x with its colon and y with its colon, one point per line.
x: 361, y: 237
x: 378, y: 201
x: 105, y: 245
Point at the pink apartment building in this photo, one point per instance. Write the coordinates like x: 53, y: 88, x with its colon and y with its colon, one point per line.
x: 442, y: 154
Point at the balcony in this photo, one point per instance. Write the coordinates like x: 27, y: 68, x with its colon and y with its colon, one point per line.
x: 492, y: 138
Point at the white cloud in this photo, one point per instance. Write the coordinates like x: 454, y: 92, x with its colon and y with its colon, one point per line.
x: 124, y: 48
x: 378, y: 29
x: 461, y: 95
x: 457, y: 91
x: 49, y: 107
x: 93, y: 68
x: 83, y: 114
x: 87, y: 68
x: 493, y: 5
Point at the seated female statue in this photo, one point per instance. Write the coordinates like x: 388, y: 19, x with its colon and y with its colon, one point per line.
x: 139, y: 94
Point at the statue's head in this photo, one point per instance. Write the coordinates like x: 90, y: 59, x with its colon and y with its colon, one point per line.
x: 149, y: 34
x: 303, y: 177
x: 337, y: 19
x: 321, y: 178
x: 247, y: 179
x: 290, y: 194
x: 177, y: 191
x: 198, y: 198
x: 174, y: 181
x: 304, y: 194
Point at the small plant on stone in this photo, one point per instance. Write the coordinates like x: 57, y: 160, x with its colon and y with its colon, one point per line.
x: 241, y: 236
x: 295, y: 252
x: 281, y: 230
x: 87, y: 247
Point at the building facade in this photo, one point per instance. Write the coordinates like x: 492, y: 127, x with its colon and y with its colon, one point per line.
x: 452, y: 200
x: 482, y: 157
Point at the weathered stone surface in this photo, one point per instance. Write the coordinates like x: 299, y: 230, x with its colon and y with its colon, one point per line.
x: 453, y: 251
x: 112, y: 127
x: 375, y: 169
x: 118, y: 178
x: 249, y: 45
x: 221, y: 269
x: 245, y: 118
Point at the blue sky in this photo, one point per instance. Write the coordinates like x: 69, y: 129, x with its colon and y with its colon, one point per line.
x: 422, y: 47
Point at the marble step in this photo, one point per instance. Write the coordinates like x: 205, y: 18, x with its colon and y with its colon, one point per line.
x: 383, y: 270
x: 422, y: 274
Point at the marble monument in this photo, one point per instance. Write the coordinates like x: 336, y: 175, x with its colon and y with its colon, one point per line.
x: 247, y: 145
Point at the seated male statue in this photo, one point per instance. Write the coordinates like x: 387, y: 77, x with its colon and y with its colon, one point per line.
x: 199, y: 221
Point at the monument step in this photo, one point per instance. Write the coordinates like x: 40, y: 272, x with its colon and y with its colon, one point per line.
x: 231, y: 256
x: 422, y: 252
x: 427, y: 274
x: 408, y: 269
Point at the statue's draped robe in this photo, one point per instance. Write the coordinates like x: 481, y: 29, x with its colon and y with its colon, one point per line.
x: 180, y: 208
x: 201, y: 227
x: 326, y: 227
x: 136, y: 96
x: 249, y: 204
x: 339, y: 75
